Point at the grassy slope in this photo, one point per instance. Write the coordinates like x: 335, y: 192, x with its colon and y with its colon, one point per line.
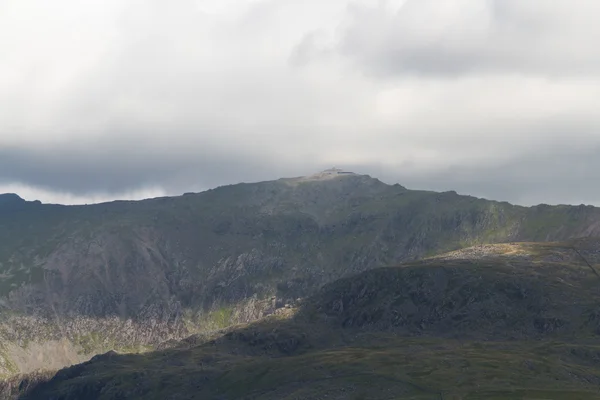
x: 317, y: 354
x: 380, y: 368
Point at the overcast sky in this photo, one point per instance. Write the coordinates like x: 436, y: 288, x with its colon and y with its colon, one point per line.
x: 106, y: 99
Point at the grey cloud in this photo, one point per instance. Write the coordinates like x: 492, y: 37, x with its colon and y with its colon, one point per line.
x: 305, y: 51
x: 554, y: 177
x: 460, y: 37
x: 550, y: 175
x: 119, y: 170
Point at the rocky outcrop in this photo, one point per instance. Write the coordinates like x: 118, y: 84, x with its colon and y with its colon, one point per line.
x: 513, y: 291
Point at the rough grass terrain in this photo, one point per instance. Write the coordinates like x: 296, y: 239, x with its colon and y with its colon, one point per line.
x: 377, y: 367
x: 511, y: 321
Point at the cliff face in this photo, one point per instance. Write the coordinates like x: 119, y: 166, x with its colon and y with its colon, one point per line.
x: 130, y: 275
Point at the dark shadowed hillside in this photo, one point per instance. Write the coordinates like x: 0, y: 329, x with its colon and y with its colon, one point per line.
x: 516, y: 321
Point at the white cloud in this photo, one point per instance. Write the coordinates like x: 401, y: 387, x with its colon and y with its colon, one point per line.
x: 456, y: 37
x: 109, y: 98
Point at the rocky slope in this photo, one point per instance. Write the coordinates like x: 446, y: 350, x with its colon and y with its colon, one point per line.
x: 131, y: 275
x: 512, y: 291
x: 510, y: 321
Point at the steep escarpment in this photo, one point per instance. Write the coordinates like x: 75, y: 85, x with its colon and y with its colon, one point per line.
x: 129, y: 275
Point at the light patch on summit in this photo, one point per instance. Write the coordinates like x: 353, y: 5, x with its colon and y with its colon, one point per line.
x: 328, y: 174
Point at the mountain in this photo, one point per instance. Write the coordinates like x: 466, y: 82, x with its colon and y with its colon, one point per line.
x: 76, y: 281
x: 510, y: 321
x: 12, y: 202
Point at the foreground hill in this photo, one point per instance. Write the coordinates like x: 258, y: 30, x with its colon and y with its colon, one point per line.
x: 509, y: 321
x: 79, y: 280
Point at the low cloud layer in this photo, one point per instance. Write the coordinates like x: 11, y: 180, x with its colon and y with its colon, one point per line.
x: 132, y: 98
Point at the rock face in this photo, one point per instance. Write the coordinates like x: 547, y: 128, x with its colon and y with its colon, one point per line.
x: 130, y: 275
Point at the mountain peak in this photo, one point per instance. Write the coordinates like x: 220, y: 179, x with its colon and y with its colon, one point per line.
x: 10, y: 198
x: 12, y: 201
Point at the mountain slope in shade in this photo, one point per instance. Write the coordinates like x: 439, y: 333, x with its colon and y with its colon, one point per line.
x: 507, y: 321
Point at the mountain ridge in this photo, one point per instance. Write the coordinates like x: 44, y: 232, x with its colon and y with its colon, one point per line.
x: 324, y: 175
x: 129, y: 275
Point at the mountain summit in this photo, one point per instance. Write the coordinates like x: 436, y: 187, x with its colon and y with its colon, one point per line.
x: 330, y: 174
x: 10, y: 198
x: 12, y: 202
